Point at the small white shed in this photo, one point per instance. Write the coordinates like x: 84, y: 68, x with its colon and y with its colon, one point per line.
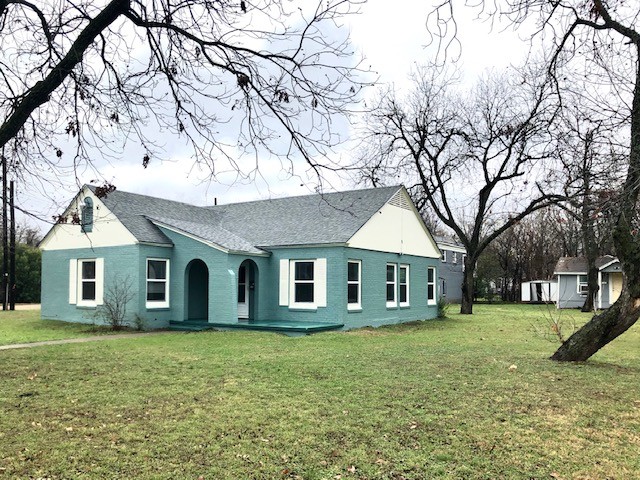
x: 539, y: 291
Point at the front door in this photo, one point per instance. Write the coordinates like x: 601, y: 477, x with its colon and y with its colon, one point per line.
x: 243, y: 292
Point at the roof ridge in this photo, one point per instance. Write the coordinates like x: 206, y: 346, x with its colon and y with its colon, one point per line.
x: 117, y: 192
x: 309, y: 195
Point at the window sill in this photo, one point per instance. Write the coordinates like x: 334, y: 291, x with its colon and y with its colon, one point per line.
x: 87, y: 306
x: 354, y: 308
x: 303, y: 308
x: 151, y: 306
x: 392, y: 306
x: 405, y: 305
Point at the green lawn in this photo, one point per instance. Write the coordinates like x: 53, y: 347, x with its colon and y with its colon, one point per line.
x: 434, y: 399
x: 25, y: 326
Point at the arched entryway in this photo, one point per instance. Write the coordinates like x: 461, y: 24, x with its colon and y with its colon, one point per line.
x: 247, y: 290
x: 196, y: 292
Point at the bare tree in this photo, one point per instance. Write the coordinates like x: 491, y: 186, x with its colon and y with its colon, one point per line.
x: 219, y: 75
x: 113, y: 312
x: 592, y: 164
x: 477, y: 160
x: 602, y: 41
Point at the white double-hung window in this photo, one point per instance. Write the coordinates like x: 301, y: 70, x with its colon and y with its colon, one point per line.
x: 303, y: 283
x: 354, y: 285
x: 157, y: 283
x: 431, y: 286
x: 583, y: 284
x: 86, y: 281
x: 404, y: 285
x: 391, y: 285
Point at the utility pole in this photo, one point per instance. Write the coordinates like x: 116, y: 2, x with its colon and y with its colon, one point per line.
x: 12, y: 249
x: 5, y: 243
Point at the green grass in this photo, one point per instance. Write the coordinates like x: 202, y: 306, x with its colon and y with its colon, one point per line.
x: 25, y: 326
x: 431, y: 399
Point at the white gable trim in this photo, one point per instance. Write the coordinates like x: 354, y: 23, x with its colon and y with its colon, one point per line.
x: 607, y: 265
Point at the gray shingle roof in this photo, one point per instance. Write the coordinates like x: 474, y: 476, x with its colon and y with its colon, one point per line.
x: 247, y: 227
x: 579, y: 264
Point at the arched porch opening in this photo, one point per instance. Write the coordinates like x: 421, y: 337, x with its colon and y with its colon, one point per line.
x: 196, y: 291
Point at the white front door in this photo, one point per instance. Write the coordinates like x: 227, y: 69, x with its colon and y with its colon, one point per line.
x: 243, y: 293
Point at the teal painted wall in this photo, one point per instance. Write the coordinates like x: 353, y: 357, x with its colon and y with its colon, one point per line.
x: 130, y: 262
x: 263, y: 285
x: 120, y: 264
x: 221, y: 281
x: 374, y: 311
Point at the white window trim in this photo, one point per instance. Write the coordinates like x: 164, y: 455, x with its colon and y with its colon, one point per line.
x: 77, y: 280
x: 157, y: 304
x: 319, y: 284
x: 406, y: 303
x: 444, y: 256
x: 358, y: 304
x: 434, y: 300
x: 579, y: 285
x: 455, y: 258
x: 394, y: 302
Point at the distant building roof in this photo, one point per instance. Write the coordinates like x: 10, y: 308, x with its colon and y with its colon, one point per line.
x: 248, y: 227
x: 449, y: 242
x: 579, y: 265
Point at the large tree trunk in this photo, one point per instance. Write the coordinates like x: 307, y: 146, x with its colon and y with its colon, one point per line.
x: 466, y: 306
x: 600, y: 330
x: 588, y: 230
x: 605, y: 327
x: 592, y: 279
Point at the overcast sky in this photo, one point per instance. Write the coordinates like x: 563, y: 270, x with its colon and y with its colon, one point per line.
x: 393, y: 38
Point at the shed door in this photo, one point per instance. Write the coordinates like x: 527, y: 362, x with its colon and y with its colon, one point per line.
x: 615, y: 287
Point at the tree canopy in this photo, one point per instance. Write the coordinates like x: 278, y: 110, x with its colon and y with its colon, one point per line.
x: 226, y: 77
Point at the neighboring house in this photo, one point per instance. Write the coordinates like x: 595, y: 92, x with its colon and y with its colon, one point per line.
x: 572, y: 281
x: 338, y: 260
x: 451, y: 268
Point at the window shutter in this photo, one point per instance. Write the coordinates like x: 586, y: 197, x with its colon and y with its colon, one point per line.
x: 73, y: 281
x: 320, y: 283
x: 284, y: 282
x: 99, y: 281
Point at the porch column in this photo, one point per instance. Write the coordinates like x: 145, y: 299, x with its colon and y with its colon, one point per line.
x: 599, y: 290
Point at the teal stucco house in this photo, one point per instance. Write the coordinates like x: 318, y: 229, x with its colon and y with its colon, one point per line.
x: 300, y: 264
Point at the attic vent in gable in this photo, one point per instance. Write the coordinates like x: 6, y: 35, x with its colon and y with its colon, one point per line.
x: 400, y: 200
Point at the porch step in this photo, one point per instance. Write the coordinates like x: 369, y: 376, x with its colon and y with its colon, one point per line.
x: 264, y: 325
x: 282, y: 326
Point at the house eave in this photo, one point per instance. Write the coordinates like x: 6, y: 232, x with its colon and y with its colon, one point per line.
x: 249, y: 254
x: 155, y: 244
